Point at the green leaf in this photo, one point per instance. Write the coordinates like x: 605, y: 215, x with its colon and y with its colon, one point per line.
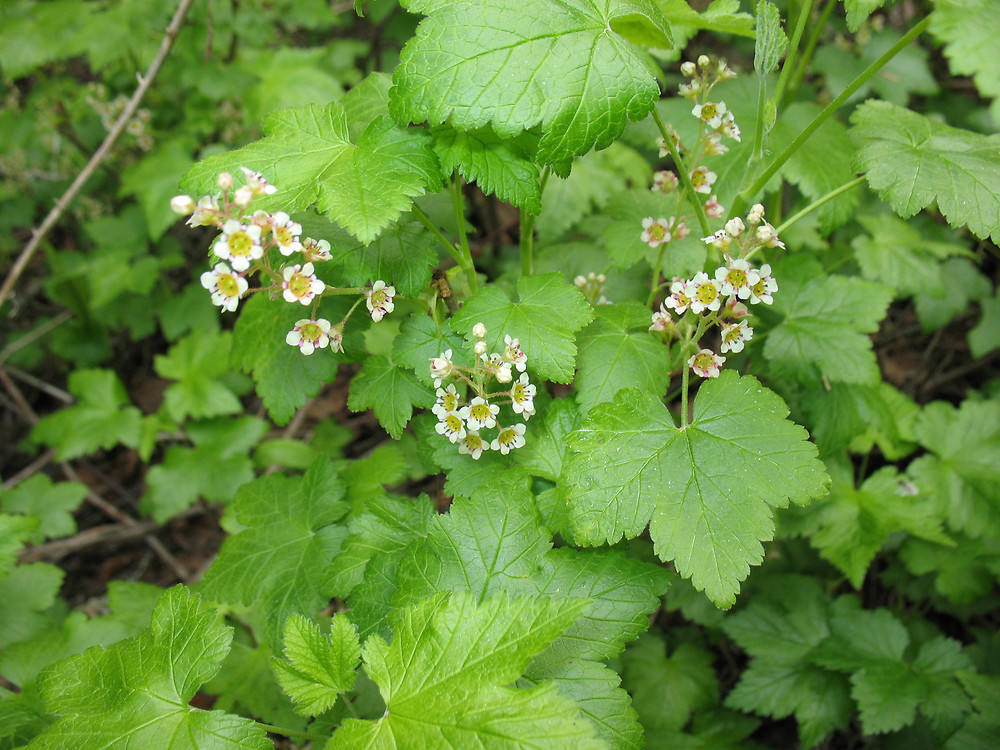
x: 969, y: 29
x: 822, y: 167
x: 781, y: 629
x: 623, y: 236
x: 667, y: 690
x: 99, y: 419
x: 197, y: 361
x: 214, y: 469
x: 306, y: 66
x: 319, y: 667
x: 859, y: 10
x: 153, y: 181
x: 444, y: 678
x: 899, y: 255
x: 545, y: 317
x: 721, y: 16
x: 136, y: 692
x: 557, y: 65
x: 963, y: 470
x: 545, y: 446
x: 403, y: 257
x: 771, y: 41
x: 500, y: 166
x: 282, y: 560
x: 824, y: 333
x: 390, y: 391
x: 14, y: 531
x: 985, y: 337
x: 913, y: 161
x: 308, y: 154
x: 419, y: 340
x: 52, y: 503
x: 618, y: 351
x: 849, y: 526
x: 980, y: 729
x: 706, y: 491
x: 860, y: 417
x: 965, y: 572
x: 33, y: 35
x: 284, y: 377
x: 27, y: 592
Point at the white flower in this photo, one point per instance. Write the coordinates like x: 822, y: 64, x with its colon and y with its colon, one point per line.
x: 735, y: 309
x: 310, y: 335
x: 316, y: 250
x: 735, y: 227
x: 286, y: 233
x: 655, y: 231
x: 226, y: 287
x: 702, y: 180
x: 473, y: 445
x: 737, y: 278
x: 665, y: 181
x: 300, y: 284
x: 704, y: 293
x: 734, y: 335
x: 379, y: 300
x: 239, y: 244
x: 720, y: 240
x: 768, y: 237
x: 714, y: 145
x: 706, y: 363
x: 257, y: 184
x: 243, y: 196
x: 509, y: 438
x: 678, y: 301
x: 729, y: 128
x: 762, y: 290
x: 513, y: 354
x: 182, y: 205
x: 479, y: 413
x: 710, y: 113
x: 713, y: 209
x: 451, y: 426
x: 522, y: 397
x: 441, y: 367
x: 662, y: 320
x: 495, y: 366
x: 448, y: 402
x: 205, y: 214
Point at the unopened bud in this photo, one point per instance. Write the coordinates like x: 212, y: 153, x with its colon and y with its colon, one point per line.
x: 243, y: 196
x: 479, y: 331
x: 224, y: 181
x: 703, y: 61
x: 734, y: 227
x: 579, y: 282
x: 183, y: 205
x: 688, y: 68
x: 480, y: 348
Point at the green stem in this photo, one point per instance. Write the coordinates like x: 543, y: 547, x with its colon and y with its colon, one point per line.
x: 683, y: 173
x: 458, y: 202
x: 811, y: 44
x: 817, y: 203
x: 432, y: 228
x: 528, y: 233
x: 654, y: 287
x: 793, y: 47
x: 744, y: 197
x: 291, y: 732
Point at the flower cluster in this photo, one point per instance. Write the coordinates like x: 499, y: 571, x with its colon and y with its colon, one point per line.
x: 251, y: 242
x: 592, y: 286
x: 492, y: 381
x: 722, y: 299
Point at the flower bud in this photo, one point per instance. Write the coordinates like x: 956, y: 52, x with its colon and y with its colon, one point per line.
x: 183, y: 205
x: 703, y: 61
x: 224, y: 181
x: 480, y: 348
x: 243, y: 196
x: 734, y: 227
x: 687, y: 68
x: 479, y: 331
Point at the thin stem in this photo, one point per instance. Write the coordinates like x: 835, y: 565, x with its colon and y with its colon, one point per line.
x: 743, y: 198
x: 102, y: 151
x: 32, y: 336
x: 291, y: 732
x: 683, y: 172
x: 811, y: 44
x: 528, y: 233
x: 431, y: 227
x: 458, y: 202
x: 817, y: 203
x: 793, y: 47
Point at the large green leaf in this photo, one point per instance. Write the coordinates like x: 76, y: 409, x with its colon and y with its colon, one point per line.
x: 969, y: 29
x: 558, y: 64
x: 914, y: 161
x: 706, y: 491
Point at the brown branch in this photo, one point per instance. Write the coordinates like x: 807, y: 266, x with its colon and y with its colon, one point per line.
x: 81, y: 179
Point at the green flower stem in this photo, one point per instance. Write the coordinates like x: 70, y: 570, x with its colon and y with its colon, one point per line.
x: 453, y: 251
x: 528, y: 233
x: 683, y: 173
x: 685, y: 382
x: 817, y: 203
x: 744, y: 197
x: 810, y: 49
x: 459, y: 204
x: 793, y: 47
x: 291, y: 732
x: 349, y: 312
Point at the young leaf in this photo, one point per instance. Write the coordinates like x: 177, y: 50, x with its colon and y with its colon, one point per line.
x: 390, y: 391
x: 969, y: 29
x: 913, y: 161
x: 516, y: 65
x: 827, y: 319
x: 28, y: 592
x: 14, y: 532
x: 544, y: 319
x: 308, y: 154
x: 705, y: 491
x: 136, y: 692
x: 52, y: 503
x: 197, y: 361
x: 282, y: 559
x: 771, y: 40
x: 319, y: 667
x: 618, y: 351
x: 444, y: 678
x: 99, y: 419
x: 965, y: 571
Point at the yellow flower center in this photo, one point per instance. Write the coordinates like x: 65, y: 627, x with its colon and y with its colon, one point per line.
x: 453, y: 423
x: 283, y: 235
x: 707, y: 293
x: 480, y: 412
x: 657, y: 231
x: 240, y: 243
x: 379, y: 298
x: 299, y: 285
x: 311, y: 332
x: 228, y: 285
x: 737, y: 277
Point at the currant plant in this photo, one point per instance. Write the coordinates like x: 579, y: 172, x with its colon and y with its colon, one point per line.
x: 607, y: 276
